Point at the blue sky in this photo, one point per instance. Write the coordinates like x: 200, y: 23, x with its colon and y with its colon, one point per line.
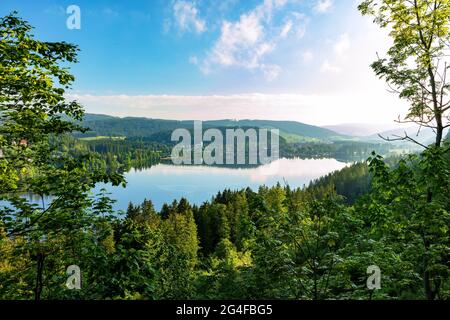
x: 305, y: 60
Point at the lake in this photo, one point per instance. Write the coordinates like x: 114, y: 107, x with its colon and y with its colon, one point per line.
x: 163, y: 183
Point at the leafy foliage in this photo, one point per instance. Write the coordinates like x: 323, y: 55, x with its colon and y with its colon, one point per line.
x: 277, y: 242
x: 416, y: 66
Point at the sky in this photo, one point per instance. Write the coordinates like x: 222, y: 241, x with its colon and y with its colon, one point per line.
x: 302, y: 60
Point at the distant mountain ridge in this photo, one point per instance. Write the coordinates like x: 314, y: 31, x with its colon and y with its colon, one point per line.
x: 371, y: 132
x: 361, y: 129
x: 104, y: 125
x: 424, y: 136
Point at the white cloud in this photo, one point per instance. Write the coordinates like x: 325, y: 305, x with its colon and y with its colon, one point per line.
x: 323, y: 6
x: 342, y: 44
x: 294, y: 25
x: 245, y: 43
x: 271, y: 72
x: 317, y: 109
x: 300, y: 22
x: 340, y: 47
x: 307, y: 57
x: 187, y: 17
x: 239, y: 42
x: 286, y: 29
x: 328, y: 67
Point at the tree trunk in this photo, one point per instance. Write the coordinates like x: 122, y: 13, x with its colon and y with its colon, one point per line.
x: 429, y: 293
x: 39, y: 276
x: 436, y: 110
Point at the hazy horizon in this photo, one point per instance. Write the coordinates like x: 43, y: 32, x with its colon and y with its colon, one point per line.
x: 389, y: 126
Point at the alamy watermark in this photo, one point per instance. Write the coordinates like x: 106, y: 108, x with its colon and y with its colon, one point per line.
x: 73, y: 281
x: 374, y: 280
x: 74, y: 277
x: 235, y: 146
x: 74, y: 19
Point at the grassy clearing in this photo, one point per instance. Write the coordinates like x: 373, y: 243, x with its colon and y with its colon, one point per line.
x: 102, y: 138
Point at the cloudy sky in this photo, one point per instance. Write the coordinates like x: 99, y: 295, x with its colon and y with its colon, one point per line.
x: 303, y: 60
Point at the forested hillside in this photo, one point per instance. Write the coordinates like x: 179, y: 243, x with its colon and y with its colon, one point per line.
x: 101, y: 125
x: 144, y: 152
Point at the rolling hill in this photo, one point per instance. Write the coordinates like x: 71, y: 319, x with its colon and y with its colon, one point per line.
x: 291, y: 131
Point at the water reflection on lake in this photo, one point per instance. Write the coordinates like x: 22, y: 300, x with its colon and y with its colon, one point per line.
x: 163, y: 183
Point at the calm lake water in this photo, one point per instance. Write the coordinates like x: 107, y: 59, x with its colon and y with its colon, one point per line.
x: 163, y: 183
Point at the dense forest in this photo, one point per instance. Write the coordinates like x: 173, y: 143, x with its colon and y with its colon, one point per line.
x: 313, y: 243
x: 102, y: 125
x: 139, y: 140
x: 142, y: 152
